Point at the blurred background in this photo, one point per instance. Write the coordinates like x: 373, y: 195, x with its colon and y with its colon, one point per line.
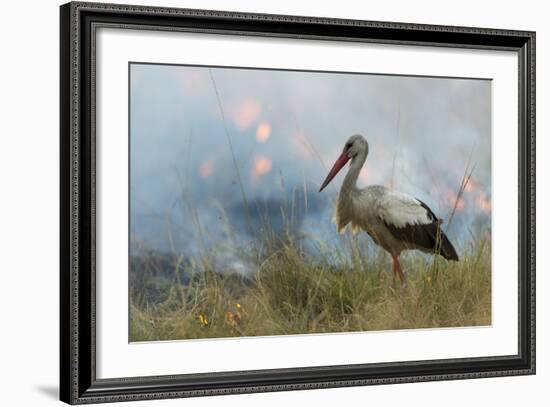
x: 221, y: 156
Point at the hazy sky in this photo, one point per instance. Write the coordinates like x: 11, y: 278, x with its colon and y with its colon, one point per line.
x: 285, y: 130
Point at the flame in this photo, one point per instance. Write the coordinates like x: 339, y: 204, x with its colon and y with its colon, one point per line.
x: 484, y: 203
x: 460, y: 204
x: 206, y: 169
x: 262, y: 165
x: 451, y: 199
x: 263, y: 132
x: 246, y: 113
x: 471, y: 185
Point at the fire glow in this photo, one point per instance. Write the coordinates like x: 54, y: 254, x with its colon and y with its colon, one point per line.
x: 481, y: 200
x: 452, y: 200
x: 263, y: 132
x: 262, y: 165
x: 206, y: 169
x: 471, y: 185
x: 459, y: 204
x: 484, y: 203
x: 245, y: 114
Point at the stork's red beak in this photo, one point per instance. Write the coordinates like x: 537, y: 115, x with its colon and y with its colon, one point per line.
x: 340, y: 162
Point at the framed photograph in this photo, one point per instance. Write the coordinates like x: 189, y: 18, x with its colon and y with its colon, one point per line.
x: 255, y: 203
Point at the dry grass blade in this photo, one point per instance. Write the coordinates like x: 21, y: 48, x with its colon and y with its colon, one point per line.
x: 230, y: 143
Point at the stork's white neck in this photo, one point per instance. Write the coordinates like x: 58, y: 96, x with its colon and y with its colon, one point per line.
x: 350, y: 181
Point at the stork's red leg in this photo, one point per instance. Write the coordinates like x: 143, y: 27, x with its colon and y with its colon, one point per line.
x: 397, y: 270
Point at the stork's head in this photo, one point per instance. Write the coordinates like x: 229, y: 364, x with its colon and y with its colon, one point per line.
x: 355, y: 146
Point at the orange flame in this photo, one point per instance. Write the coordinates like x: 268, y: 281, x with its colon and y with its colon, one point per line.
x: 246, y: 113
x: 460, y: 204
x: 451, y: 198
x: 484, y: 203
x: 206, y: 169
x: 263, y: 132
x: 262, y: 165
x: 471, y: 185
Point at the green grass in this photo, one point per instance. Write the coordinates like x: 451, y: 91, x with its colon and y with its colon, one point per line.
x: 292, y: 293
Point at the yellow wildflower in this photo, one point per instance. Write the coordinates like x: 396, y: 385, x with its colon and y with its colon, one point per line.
x: 203, y: 319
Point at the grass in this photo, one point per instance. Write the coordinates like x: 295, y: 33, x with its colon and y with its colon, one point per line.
x: 292, y: 293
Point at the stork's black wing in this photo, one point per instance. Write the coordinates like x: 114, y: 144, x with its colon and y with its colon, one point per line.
x: 424, y: 235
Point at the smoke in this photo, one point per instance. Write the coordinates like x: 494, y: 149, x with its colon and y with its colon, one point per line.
x: 286, y: 130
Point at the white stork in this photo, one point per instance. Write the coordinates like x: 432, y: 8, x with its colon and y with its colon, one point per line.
x: 394, y: 220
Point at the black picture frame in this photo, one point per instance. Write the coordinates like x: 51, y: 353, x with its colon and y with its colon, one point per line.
x: 78, y: 382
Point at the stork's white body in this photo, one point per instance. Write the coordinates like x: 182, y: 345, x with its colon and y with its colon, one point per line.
x: 371, y: 209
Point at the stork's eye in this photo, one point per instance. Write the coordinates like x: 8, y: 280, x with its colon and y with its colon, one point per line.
x: 348, y: 146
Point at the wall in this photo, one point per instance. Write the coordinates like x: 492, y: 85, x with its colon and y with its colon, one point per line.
x: 29, y: 208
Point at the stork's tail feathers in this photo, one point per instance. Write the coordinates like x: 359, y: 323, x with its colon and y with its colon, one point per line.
x: 428, y: 237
